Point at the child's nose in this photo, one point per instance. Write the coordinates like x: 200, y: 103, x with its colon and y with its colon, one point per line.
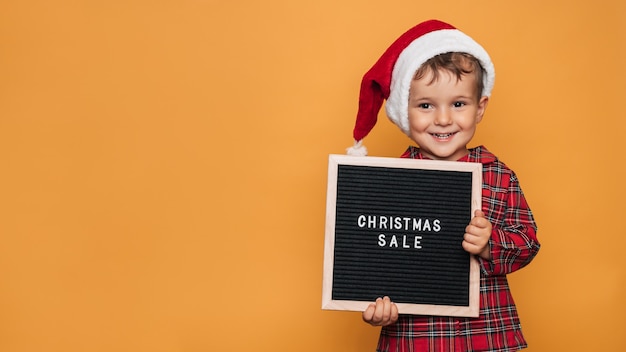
x: 443, y: 117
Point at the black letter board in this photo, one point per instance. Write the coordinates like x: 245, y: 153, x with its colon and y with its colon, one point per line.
x: 394, y: 227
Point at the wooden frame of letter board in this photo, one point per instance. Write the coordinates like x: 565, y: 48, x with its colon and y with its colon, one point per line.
x: 472, y: 310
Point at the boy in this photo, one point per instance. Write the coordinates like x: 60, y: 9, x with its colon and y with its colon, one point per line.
x: 437, y: 82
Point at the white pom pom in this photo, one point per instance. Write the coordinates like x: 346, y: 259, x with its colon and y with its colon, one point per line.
x: 358, y: 149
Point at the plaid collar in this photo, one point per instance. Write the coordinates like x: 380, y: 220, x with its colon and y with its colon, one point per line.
x: 478, y: 154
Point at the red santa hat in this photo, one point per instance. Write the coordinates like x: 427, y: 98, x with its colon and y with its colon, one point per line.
x: 391, y: 76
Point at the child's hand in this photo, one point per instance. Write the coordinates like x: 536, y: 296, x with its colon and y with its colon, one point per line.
x: 477, y: 234
x: 383, y: 312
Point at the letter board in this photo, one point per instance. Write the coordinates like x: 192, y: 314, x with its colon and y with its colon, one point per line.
x: 394, y: 227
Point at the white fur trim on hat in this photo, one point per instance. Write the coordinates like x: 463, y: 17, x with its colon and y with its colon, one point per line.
x: 418, y: 52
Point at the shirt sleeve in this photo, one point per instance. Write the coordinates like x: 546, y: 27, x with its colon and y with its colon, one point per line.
x: 514, y: 236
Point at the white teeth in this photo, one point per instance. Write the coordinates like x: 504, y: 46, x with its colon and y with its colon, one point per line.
x: 442, y: 135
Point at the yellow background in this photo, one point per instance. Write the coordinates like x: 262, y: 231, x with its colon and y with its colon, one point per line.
x: 163, y: 166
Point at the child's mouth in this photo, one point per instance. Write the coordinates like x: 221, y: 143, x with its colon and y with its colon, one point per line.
x: 442, y: 135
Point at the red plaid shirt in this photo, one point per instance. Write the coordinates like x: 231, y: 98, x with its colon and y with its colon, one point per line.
x: 513, y: 245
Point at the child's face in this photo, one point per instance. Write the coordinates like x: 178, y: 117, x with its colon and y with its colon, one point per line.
x: 443, y: 114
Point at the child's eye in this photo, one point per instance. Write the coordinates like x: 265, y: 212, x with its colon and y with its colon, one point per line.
x: 458, y: 104
x: 424, y: 106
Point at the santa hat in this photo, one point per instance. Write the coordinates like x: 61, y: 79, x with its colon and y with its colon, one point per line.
x: 391, y: 76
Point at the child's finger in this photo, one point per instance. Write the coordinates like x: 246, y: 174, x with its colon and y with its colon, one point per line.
x: 368, y: 314
x: 386, y: 309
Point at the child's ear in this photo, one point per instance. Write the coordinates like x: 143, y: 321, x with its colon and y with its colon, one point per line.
x: 482, y: 106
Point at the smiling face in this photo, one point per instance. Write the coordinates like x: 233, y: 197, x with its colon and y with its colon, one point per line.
x: 443, y: 113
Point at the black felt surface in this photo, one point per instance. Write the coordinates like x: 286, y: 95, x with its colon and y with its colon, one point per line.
x: 438, y: 272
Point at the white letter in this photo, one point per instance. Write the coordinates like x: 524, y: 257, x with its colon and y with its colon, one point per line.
x: 404, y: 245
x: 436, y: 225
x: 361, y: 221
x: 406, y: 224
x: 417, y: 225
x: 383, y: 222
x: 418, y: 242
x: 393, y: 242
x: 426, y: 225
x: 397, y: 223
x: 371, y: 222
x: 381, y: 240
